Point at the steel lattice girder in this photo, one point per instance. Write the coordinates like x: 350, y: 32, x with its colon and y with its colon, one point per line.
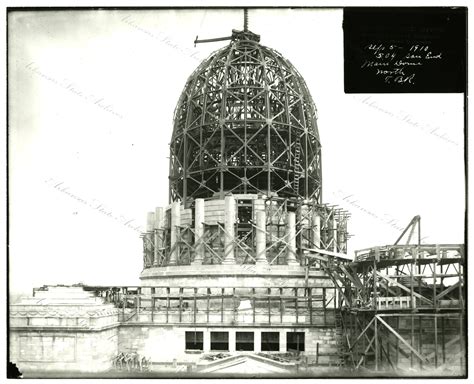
x: 245, y: 123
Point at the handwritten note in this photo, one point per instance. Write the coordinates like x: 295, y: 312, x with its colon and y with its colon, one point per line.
x: 394, y: 50
x: 398, y: 63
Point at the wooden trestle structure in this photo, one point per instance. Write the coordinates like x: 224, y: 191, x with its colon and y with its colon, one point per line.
x: 402, y: 307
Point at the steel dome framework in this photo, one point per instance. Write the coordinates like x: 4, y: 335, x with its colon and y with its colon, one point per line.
x: 245, y: 123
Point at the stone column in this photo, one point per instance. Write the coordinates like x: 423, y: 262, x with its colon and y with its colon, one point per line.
x: 175, y: 224
x: 283, y: 342
x: 257, y: 341
x: 150, y: 221
x: 159, y: 224
x: 229, y: 237
x: 261, y: 238
x: 206, y: 341
x: 199, y: 213
x: 291, y: 239
x: 304, y: 222
x: 232, y: 339
x: 316, y: 229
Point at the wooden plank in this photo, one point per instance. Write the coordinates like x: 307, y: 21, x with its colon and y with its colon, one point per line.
x: 375, y: 285
x: 412, y: 340
x: 362, y: 358
x: 414, y: 351
x: 222, y: 304
x: 404, y: 288
x: 208, y: 308
x: 387, y: 354
x: 324, y: 305
x: 269, y: 307
x: 362, y: 333
x: 335, y: 280
x: 357, y: 282
x: 376, y: 346
x: 354, y: 275
x: 123, y: 307
x: 180, y: 307
x: 447, y: 290
x: 358, y: 324
x: 443, y: 341
x: 152, y: 308
x: 195, y: 306
x: 420, y: 337
x: 315, y: 251
x: 253, y: 304
x: 281, y: 305
x: 167, y: 305
x: 296, y: 304
x: 436, y: 341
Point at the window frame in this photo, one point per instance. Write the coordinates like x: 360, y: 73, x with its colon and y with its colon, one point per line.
x: 196, y: 342
x: 244, y: 342
x: 213, y: 334
x: 297, y: 342
x: 266, y: 342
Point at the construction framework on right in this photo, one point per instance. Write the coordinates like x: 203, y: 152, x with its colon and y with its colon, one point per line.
x: 402, y: 306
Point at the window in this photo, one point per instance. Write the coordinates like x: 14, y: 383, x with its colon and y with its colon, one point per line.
x: 194, y: 340
x: 244, y: 211
x: 219, y: 341
x: 270, y: 341
x: 244, y: 341
x: 295, y: 341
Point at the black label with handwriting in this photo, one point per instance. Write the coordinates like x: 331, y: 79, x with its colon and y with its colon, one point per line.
x: 405, y: 50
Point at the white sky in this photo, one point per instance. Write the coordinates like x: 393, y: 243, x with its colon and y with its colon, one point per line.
x: 66, y: 67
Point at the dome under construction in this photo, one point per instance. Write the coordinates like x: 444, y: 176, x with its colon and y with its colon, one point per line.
x: 245, y: 123
x: 245, y: 171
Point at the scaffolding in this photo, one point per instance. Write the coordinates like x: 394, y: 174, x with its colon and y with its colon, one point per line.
x: 245, y: 123
x: 401, y: 307
x: 171, y: 240
x: 231, y: 306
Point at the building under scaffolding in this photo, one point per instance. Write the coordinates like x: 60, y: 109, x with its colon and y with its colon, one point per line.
x: 246, y: 270
x: 402, y: 307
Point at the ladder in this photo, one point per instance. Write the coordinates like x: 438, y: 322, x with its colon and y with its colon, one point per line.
x: 296, y: 172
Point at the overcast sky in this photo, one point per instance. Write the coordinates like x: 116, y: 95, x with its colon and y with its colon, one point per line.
x: 91, y: 102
